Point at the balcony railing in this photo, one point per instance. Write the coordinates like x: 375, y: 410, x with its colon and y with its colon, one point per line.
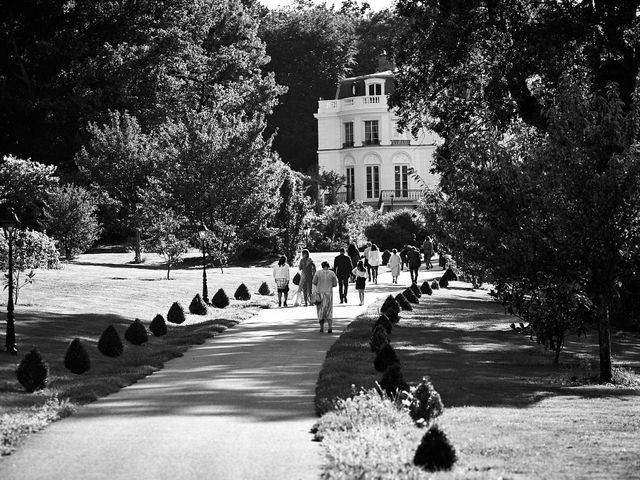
x: 401, y: 195
x: 400, y: 142
x: 353, y: 103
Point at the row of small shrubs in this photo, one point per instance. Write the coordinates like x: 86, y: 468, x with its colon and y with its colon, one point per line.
x: 221, y: 300
x: 422, y: 402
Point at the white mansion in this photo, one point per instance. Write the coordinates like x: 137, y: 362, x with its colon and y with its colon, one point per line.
x: 358, y: 138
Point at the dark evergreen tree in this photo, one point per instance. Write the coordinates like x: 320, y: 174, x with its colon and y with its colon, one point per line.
x: 110, y: 343
x: 392, y: 381
x: 242, y: 293
x: 158, y: 326
x: 390, y: 303
x: 410, y: 296
x: 384, y: 322
x: 416, y: 289
x: 403, y: 302
x: 197, y: 306
x: 434, y: 285
x: 77, y: 358
x: 176, y: 314
x: 136, y: 333
x: 426, y: 288
x: 435, y: 451
x: 385, y: 357
x: 33, y: 371
x: 264, y: 289
x: 220, y: 299
x: 379, y: 339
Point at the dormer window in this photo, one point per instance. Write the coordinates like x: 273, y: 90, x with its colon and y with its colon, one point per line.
x: 375, y: 89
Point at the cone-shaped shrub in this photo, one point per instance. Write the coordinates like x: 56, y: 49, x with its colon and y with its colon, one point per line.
x: 264, y: 289
x: 176, y: 314
x: 410, y: 296
x: 33, y: 371
x: 443, y: 282
x: 158, y: 326
x: 136, y: 333
x: 242, y: 293
x: 450, y: 275
x: 110, y: 343
x: 416, y: 289
x: 390, y: 303
x: 392, y: 381
x: 392, y: 315
x: 384, y: 322
x: 220, y: 299
x: 197, y: 306
x: 379, y: 339
x: 434, y: 285
x: 403, y: 302
x: 435, y: 452
x: 77, y: 359
x: 426, y: 404
x: 385, y: 357
x: 426, y: 288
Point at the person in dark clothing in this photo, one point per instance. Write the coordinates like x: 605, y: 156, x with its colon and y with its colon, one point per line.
x: 413, y: 256
x: 354, y: 255
x: 342, y: 267
x: 403, y: 256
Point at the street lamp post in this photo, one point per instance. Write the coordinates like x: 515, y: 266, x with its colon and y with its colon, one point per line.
x: 9, y: 224
x: 203, y: 237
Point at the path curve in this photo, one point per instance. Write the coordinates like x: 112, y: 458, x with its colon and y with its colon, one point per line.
x: 239, y: 406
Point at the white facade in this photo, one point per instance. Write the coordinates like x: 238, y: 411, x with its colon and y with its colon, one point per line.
x: 357, y: 138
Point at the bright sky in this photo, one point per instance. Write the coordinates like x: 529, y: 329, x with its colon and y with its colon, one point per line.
x: 375, y: 4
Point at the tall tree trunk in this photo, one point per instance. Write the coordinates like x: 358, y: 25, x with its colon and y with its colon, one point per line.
x: 604, y: 341
x: 137, y: 247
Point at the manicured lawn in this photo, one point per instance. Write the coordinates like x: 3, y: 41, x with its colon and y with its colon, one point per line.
x: 508, y: 411
x: 86, y: 296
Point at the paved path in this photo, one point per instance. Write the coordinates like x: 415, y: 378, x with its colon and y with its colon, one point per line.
x: 240, y: 406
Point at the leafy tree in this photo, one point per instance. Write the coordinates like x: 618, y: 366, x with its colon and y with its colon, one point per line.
x: 165, y: 230
x: 31, y: 250
x: 121, y: 159
x: 339, y: 225
x: 70, y: 218
x: 311, y: 47
x: 291, y: 215
x: 23, y: 186
x: 396, y: 229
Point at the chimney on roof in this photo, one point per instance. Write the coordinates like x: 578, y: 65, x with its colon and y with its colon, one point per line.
x: 383, y: 62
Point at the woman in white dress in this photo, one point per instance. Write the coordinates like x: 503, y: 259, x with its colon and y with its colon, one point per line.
x: 324, y: 281
x: 394, y: 265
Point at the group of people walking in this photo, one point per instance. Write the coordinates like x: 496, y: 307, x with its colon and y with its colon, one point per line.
x: 315, y: 287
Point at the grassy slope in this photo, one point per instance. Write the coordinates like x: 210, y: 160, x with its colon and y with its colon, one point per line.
x: 509, y: 412
x: 86, y: 296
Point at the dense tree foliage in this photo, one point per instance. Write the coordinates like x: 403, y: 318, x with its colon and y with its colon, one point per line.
x: 539, y: 168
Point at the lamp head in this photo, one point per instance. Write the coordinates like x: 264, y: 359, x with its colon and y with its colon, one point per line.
x: 202, y: 231
x: 9, y: 221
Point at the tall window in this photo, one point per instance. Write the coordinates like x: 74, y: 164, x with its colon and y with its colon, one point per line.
x: 351, y: 180
x: 371, y: 132
x: 348, y: 134
x: 373, y: 181
x: 401, y: 181
x: 375, y: 89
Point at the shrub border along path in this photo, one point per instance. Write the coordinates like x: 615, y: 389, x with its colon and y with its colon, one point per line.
x: 508, y: 412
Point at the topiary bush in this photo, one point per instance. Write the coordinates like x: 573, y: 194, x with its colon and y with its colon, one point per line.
x: 176, y: 314
x: 197, y: 306
x: 136, y: 333
x: 384, y: 322
x: 264, y: 289
x: 242, y: 293
x: 426, y: 288
x: 450, y: 275
x: 425, y: 404
x: 110, y: 343
x: 379, y: 339
x: 33, y: 371
x: 220, y: 299
x: 158, y: 326
x: 410, y: 296
x: 390, y: 303
x: 392, y: 381
x: 385, y: 357
x: 392, y: 315
x: 435, y: 452
x: 434, y: 285
x: 416, y: 290
x: 443, y: 282
x: 403, y: 302
x: 77, y: 359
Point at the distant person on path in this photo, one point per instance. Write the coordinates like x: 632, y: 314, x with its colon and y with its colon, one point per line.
x: 281, y: 276
x: 307, y: 271
x: 427, y: 249
x: 413, y: 256
x: 366, y: 252
x: 361, y: 279
x: 403, y: 256
x: 324, y: 281
x: 374, y: 262
x: 394, y: 265
x: 354, y: 255
x: 342, y: 267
